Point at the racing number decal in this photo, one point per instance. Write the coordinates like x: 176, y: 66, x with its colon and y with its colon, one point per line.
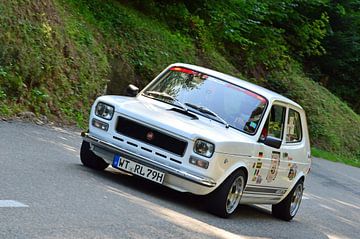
x: 274, y: 167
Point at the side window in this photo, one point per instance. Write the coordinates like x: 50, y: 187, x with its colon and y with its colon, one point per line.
x: 275, y: 122
x: 293, y: 129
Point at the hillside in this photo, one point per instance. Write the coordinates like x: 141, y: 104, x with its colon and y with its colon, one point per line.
x: 56, y: 56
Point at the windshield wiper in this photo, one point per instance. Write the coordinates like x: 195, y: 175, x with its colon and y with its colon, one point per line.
x: 205, y: 110
x: 167, y: 96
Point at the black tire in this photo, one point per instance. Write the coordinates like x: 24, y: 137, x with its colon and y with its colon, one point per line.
x: 218, y: 203
x: 284, y: 209
x: 91, y: 160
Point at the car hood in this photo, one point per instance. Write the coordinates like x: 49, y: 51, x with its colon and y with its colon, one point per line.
x: 160, y: 116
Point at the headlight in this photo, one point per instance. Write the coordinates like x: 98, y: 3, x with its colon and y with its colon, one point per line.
x: 104, y: 111
x: 204, y: 148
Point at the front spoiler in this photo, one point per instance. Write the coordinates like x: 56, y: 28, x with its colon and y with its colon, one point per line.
x: 198, y: 179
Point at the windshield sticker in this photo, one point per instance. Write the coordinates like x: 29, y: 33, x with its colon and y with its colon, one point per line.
x: 253, y: 125
x: 274, y: 167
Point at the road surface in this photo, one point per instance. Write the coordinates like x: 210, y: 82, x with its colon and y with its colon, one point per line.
x: 46, y: 193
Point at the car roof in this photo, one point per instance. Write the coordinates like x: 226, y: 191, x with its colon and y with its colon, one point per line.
x: 270, y: 95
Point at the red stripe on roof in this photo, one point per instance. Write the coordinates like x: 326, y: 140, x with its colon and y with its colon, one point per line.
x: 262, y: 99
x: 184, y: 70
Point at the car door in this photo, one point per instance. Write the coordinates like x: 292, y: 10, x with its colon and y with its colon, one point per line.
x: 269, y: 168
x: 274, y: 127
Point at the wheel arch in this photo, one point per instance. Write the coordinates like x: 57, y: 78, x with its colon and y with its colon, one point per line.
x: 219, y: 201
x: 231, y: 170
x: 300, y: 177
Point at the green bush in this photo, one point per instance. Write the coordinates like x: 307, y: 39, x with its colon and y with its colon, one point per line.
x: 57, y: 56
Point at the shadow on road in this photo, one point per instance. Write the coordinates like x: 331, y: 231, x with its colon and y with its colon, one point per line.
x: 189, y: 212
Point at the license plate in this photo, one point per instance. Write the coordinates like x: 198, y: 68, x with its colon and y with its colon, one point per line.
x: 138, y: 169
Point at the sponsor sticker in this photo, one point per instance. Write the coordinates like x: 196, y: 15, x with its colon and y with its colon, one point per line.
x: 285, y: 156
x: 292, y: 171
x: 259, y: 179
x: 274, y: 167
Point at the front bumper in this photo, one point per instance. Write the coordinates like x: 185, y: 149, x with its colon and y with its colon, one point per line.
x: 188, y: 176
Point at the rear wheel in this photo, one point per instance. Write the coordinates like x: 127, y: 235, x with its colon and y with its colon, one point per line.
x: 289, y: 206
x: 225, y: 199
x: 91, y: 160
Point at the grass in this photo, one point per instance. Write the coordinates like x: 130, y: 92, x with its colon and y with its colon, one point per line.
x: 335, y: 158
x: 333, y: 126
x: 57, y: 56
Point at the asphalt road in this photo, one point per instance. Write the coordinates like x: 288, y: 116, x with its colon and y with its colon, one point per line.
x: 46, y: 193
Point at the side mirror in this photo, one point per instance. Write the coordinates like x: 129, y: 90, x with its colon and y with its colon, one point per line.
x: 132, y: 90
x: 272, y: 142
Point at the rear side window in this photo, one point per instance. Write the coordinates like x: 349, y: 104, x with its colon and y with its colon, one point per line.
x: 293, y: 129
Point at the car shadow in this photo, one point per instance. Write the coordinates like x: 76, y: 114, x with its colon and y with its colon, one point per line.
x: 194, y: 207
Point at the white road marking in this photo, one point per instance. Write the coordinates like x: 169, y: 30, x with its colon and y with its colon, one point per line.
x: 11, y: 203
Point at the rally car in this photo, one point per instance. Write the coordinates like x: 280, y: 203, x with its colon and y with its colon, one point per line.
x: 201, y: 131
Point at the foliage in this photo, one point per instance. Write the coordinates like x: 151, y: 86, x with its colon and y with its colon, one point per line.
x: 258, y: 36
x: 264, y: 36
x: 44, y: 66
x: 333, y: 126
x: 338, y: 69
x: 56, y: 56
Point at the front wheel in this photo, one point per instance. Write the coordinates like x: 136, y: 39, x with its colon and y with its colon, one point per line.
x: 289, y: 206
x: 225, y: 199
x: 91, y: 160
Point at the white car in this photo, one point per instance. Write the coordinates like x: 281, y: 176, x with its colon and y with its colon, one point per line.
x: 200, y: 131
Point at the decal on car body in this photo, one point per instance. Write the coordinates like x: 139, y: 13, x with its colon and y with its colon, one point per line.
x: 274, y: 167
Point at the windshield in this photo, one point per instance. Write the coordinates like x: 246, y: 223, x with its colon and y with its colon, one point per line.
x: 240, y: 108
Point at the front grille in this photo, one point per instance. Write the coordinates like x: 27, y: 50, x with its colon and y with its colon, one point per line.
x: 142, y: 132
